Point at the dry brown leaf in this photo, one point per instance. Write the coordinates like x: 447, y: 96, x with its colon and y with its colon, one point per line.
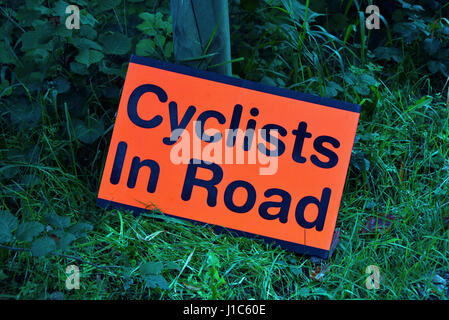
x: 377, y: 224
x: 318, y: 273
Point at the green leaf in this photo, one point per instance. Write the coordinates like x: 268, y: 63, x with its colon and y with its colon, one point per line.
x: 88, y: 32
x: 159, y: 40
x: 57, y: 221
x: 298, y: 11
x: 28, y: 230
x: 62, y: 31
x: 88, y: 57
x: 332, y: 89
x: 84, y: 43
x: 168, y: 49
x: 153, y: 23
x: 30, y: 40
x: 115, y: 43
x: 80, y: 229
x: 154, y: 281
x: 304, y: 292
x: 79, y: 68
x: 60, y: 7
x: 369, y: 80
x: 9, y: 220
x: 268, y: 81
x: 27, y: 16
x: 362, y: 89
x: 5, y: 88
x: 349, y: 78
x: 65, y: 240
x: 36, y: 39
x: 86, y: 18
x: 105, y: 5
x: 5, y: 54
x: 408, y: 30
x: 296, y: 270
x: 8, y: 223
x: 435, y: 66
x: 432, y: 45
x: 108, y: 70
x: 172, y: 266
x: 3, y: 276
x: 151, y: 268
x: 90, y: 132
x: 408, y: 6
x: 145, y: 47
x: 26, y: 115
x: 61, y: 84
x: 387, y: 53
x: 42, y: 246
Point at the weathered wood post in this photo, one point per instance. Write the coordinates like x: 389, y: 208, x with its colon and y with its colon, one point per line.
x: 201, y: 34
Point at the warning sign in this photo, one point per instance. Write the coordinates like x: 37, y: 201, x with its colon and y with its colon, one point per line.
x: 252, y: 158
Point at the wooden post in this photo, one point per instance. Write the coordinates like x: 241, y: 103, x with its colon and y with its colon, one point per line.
x: 201, y: 34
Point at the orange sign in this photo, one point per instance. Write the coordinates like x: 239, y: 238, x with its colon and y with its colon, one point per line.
x: 254, y: 159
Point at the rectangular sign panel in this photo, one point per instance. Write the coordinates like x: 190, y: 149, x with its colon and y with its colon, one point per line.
x: 252, y: 158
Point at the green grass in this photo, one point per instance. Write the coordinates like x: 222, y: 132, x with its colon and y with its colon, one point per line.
x: 400, y: 167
